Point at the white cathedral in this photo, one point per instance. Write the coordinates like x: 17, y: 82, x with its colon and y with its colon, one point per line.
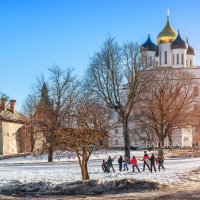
x: 171, y: 51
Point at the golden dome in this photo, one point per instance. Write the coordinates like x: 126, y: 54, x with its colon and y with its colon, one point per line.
x: 167, y: 35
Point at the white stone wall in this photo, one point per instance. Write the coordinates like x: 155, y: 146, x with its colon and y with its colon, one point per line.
x: 165, y: 47
x: 9, y: 142
x: 116, y: 137
x: 178, y: 59
x: 190, y: 61
x: 1, y: 139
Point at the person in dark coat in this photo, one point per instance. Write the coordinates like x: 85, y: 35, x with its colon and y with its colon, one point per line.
x: 105, y: 166
x: 152, y: 160
x: 160, y: 161
x: 120, y: 161
x: 110, y: 163
x: 134, y: 163
x: 146, y: 161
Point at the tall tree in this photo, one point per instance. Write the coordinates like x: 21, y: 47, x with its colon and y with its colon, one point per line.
x: 116, y: 75
x: 52, y: 107
x: 167, y: 105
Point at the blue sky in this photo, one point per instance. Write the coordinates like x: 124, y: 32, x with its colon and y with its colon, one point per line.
x: 35, y: 34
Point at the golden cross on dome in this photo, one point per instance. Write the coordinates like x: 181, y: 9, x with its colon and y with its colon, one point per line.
x: 168, y: 12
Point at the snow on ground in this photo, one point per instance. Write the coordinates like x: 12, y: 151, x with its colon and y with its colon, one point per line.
x: 29, y: 169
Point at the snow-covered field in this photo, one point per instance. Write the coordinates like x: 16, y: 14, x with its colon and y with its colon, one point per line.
x: 31, y: 169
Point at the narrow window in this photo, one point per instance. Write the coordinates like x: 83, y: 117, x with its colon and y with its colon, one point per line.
x: 146, y: 61
x: 160, y: 57
x: 165, y: 57
x: 182, y: 59
x: 156, y: 64
x: 186, y: 62
x: 190, y: 62
x: 116, y: 131
x: 116, y: 142
x: 173, y: 59
x: 150, y: 60
x: 177, y: 62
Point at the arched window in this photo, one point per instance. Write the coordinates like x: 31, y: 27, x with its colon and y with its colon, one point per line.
x: 177, y: 60
x: 165, y: 57
x: 160, y: 57
x: 190, y: 62
x: 182, y: 59
x: 150, y: 60
x: 173, y: 59
x: 146, y: 61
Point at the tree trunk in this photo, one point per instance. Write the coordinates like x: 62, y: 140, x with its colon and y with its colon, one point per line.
x: 170, y: 139
x: 50, y: 155
x: 126, y: 138
x: 84, y: 170
x: 160, y: 148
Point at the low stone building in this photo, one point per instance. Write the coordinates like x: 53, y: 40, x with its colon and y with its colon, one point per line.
x: 13, y: 136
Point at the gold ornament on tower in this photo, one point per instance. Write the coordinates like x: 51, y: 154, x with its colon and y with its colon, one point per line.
x: 167, y: 35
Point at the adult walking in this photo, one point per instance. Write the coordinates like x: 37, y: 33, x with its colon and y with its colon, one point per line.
x: 110, y: 163
x: 146, y: 161
x: 152, y: 160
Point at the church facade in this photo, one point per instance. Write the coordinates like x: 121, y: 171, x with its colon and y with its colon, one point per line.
x: 174, y: 52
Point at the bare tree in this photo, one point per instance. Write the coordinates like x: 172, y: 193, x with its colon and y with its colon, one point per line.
x: 87, y: 133
x: 116, y: 75
x: 168, y: 104
x: 51, y: 107
x: 144, y: 133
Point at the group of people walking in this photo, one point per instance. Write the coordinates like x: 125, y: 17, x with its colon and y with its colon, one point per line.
x: 149, y: 162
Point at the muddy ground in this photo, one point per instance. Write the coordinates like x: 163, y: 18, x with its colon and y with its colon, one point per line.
x: 190, y: 191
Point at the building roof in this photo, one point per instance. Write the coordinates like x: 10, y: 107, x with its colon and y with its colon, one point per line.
x: 167, y: 35
x: 7, y: 115
x: 179, y: 43
x: 148, y: 45
x: 190, y: 50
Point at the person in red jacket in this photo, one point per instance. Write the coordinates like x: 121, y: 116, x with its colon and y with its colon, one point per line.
x: 133, y: 161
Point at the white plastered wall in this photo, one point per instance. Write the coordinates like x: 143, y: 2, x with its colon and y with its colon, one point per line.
x: 179, y: 52
x: 166, y: 47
